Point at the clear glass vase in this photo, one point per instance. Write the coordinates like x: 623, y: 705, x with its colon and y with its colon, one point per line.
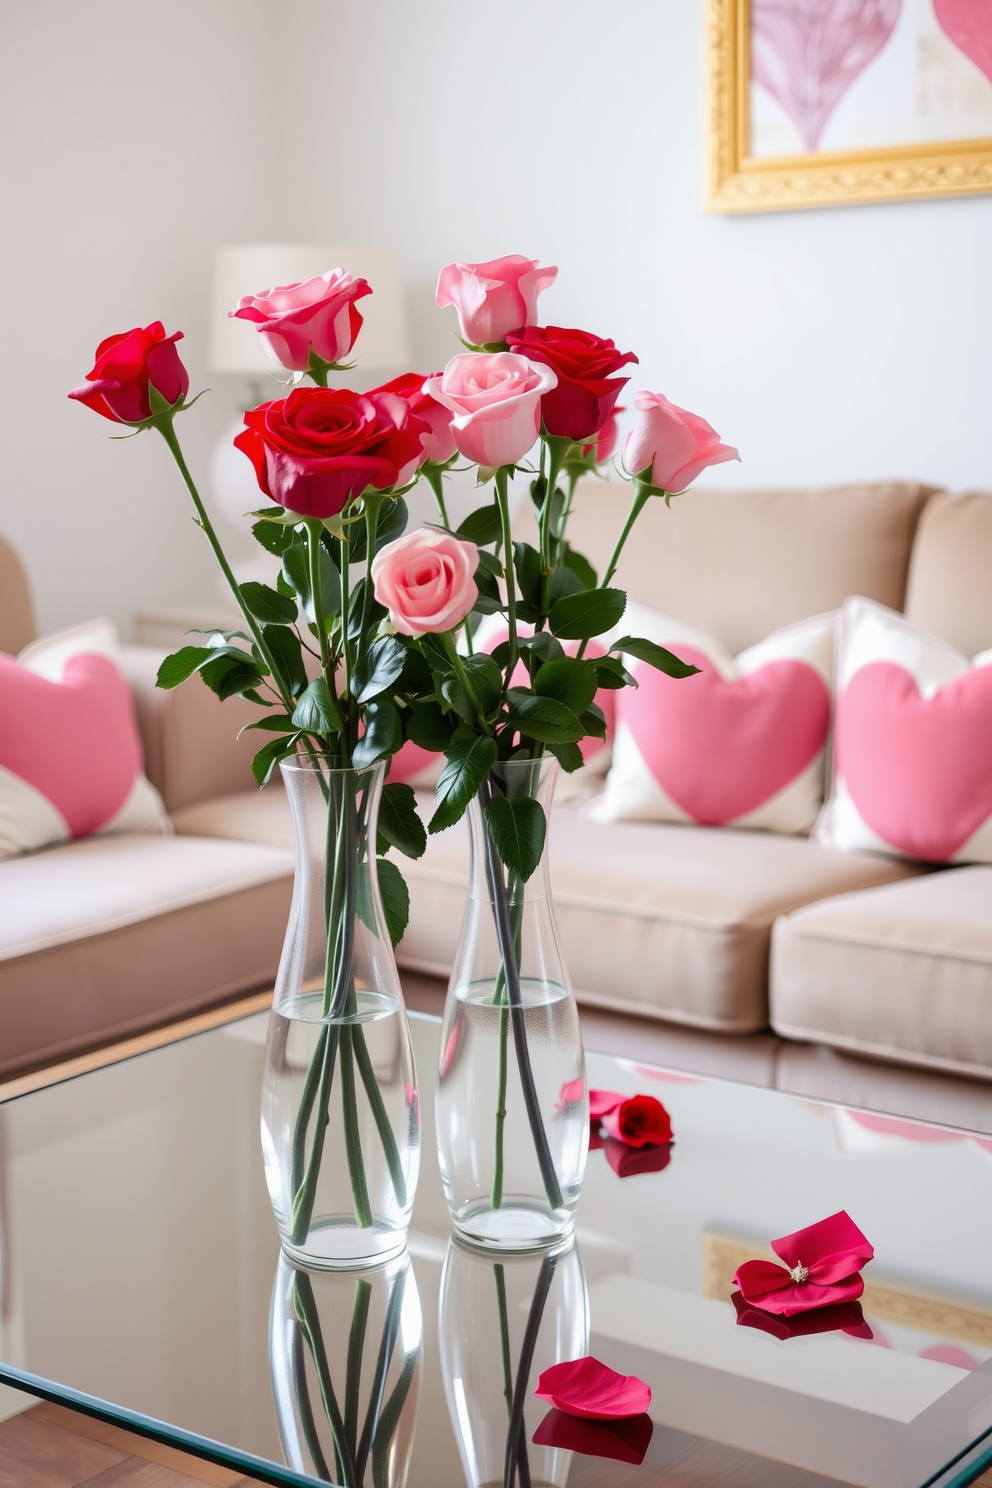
x: 502, y: 1322
x: 340, y: 1110
x: 346, y: 1355
x: 512, y: 1108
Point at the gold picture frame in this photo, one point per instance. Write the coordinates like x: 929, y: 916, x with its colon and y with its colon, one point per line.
x: 740, y: 182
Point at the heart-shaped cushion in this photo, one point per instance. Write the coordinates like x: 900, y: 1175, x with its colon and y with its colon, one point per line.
x: 722, y: 749
x: 968, y: 24
x: 74, y: 741
x: 918, y: 769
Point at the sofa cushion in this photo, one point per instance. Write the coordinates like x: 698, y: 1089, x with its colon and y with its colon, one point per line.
x: 948, y: 591
x: 744, y: 563
x: 899, y: 972
x: 102, y: 938
x: 668, y: 921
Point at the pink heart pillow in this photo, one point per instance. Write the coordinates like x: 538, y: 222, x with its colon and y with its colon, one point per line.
x: 913, y: 759
x: 740, y: 743
x: 70, y: 755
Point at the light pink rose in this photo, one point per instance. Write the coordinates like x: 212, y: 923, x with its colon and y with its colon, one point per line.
x: 677, y: 445
x: 493, y: 298
x: 496, y: 401
x: 319, y: 312
x: 426, y: 580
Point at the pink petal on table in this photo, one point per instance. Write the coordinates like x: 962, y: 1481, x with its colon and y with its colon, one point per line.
x: 968, y: 24
x: 626, y: 1440
x: 585, y: 1387
x: 602, y: 1102
x: 846, y: 1317
x: 831, y: 1249
x: 807, y: 53
x: 773, y: 1289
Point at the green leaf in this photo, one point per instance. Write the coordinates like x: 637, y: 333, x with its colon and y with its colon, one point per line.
x: 656, y: 656
x: 611, y: 672
x: 430, y: 727
x: 543, y: 719
x: 593, y: 721
x: 317, y: 711
x: 269, y: 756
x: 527, y: 566
x: 182, y: 664
x: 273, y: 536
x: 416, y: 677
x: 491, y: 562
x: 287, y: 653
x: 490, y: 600
x: 268, y: 605
x: 486, y: 681
x: 399, y: 823
x: 379, y: 669
x: 518, y: 829
x: 469, y: 760
x: 481, y: 526
x: 579, y: 616
x: 563, y: 581
x: 393, y: 517
x: 272, y: 723
x: 383, y: 734
x: 580, y: 566
x: 395, y: 899
x: 296, y: 571
x: 571, y: 681
x: 536, y: 650
x: 228, y: 676
x: 569, y: 756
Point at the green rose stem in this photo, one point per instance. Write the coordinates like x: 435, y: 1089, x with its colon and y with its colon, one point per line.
x: 503, y: 502
x: 356, y: 1345
x: 507, y: 950
x: 558, y: 448
x: 306, y: 1312
x: 643, y: 491
x: 302, y: 1396
x: 434, y: 476
x: 516, y: 1436
x: 504, y: 1341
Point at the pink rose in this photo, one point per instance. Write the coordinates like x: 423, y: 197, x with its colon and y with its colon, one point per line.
x: 426, y: 580
x: 604, y: 443
x: 319, y: 313
x: 496, y: 402
x: 439, y: 442
x: 676, y: 445
x: 493, y: 298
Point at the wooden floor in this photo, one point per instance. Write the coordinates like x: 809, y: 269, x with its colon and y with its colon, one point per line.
x: 50, y: 1447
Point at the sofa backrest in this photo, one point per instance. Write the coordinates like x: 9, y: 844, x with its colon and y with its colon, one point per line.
x: 742, y: 563
x: 949, y: 590
x: 16, y: 616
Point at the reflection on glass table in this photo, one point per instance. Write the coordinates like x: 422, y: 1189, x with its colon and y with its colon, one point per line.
x: 141, y: 1270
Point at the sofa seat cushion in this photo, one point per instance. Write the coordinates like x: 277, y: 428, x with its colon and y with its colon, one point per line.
x: 102, y: 938
x: 900, y: 972
x: 668, y: 921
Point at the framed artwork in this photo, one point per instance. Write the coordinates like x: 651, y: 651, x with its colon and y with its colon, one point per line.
x: 818, y: 102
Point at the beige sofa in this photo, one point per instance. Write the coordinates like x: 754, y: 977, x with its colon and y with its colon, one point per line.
x: 110, y: 936
x: 727, y: 934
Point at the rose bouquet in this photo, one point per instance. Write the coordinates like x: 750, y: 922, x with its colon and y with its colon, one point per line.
x: 367, y: 641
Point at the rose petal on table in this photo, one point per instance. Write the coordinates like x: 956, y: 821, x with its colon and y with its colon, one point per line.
x: 586, y: 1387
x: 640, y: 1121
x: 846, y: 1317
x: 831, y: 1249
x: 602, y: 1102
x: 628, y: 1162
x: 773, y: 1289
x: 624, y: 1440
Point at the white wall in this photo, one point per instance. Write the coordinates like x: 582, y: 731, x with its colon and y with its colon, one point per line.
x: 828, y: 345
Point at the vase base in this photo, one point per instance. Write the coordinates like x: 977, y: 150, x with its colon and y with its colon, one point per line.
x: 346, y: 1247
x: 516, y: 1226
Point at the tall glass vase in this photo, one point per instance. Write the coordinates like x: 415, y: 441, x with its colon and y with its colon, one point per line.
x: 340, y: 1111
x: 512, y: 1108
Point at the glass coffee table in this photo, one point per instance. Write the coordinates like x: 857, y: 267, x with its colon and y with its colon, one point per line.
x: 142, y: 1283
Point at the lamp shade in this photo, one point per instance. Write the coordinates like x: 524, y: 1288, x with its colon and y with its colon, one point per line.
x: 235, y: 345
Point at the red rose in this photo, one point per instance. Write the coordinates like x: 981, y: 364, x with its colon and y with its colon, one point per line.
x: 639, y: 1122
x: 439, y: 442
x: 583, y: 400
x: 117, y: 387
x: 319, y: 447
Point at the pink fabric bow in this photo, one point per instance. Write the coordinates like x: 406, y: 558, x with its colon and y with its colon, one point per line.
x: 822, y: 1265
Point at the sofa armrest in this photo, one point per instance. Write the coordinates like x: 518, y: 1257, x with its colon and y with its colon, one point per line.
x: 192, y: 751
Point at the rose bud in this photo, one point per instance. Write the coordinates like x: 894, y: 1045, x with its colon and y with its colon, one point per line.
x: 584, y: 397
x: 670, y: 446
x: 493, y: 298
x: 426, y: 580
x: 496, y: 402
x: 117, y: 387
x: 439, y: 442
x: 604, y: 443
x: 316, y: 449
x: 320, y: 313
x: 640, y: 1122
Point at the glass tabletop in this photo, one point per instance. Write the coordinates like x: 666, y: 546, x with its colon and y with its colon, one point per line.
x: 142, y: 1281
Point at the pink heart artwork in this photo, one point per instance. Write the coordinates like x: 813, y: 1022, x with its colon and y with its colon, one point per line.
x: 74, y: 741
x: 807, y: 53
x: 968, y: 24
x: 919, y: 770
x: 721, y: 749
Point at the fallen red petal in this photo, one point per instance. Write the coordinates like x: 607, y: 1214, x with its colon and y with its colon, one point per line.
x: 586, y: 1387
